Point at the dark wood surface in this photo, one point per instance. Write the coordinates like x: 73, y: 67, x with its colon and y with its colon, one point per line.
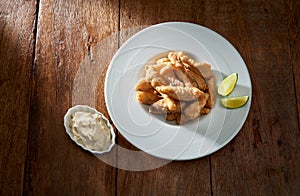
x: 44, y: 43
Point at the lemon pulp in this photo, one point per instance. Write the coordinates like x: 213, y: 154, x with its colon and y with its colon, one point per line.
x: 228, y: 84
x: 234, y: 102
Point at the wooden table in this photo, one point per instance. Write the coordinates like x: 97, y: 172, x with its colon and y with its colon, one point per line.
x: 42, y: 45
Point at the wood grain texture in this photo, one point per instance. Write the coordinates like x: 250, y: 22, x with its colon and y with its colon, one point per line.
x: 144, y: 12
x: 67, y: 35
x: 294, y: 34
x: 259, y: 160
x: 16, y: 56
x: 54, y: 54
x: 176, y: 178
x: 264, y: 157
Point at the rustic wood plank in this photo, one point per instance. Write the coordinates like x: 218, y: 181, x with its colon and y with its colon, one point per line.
x: 181, y: 178
x: 294, y: 34
x: 145, y: 12
x: 67, y: 37
x: 176, y: 178
x: 16, y: 57
x: 264, y: 157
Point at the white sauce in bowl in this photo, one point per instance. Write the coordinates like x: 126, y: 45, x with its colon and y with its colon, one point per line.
x: 90, y: 130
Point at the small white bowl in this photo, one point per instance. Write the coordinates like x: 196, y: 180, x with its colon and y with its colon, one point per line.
x: 85, y: 108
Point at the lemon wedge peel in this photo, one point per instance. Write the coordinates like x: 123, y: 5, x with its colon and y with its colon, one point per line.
x: 234, y: 102
x: 228, y: 84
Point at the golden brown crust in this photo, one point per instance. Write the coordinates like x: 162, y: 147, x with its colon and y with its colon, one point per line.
x: 148, y: 97
x: 204, y: 111
x: 180, y: 93
x: 172, y: 116
x: 144, y: 85
x: 174, y: 85
x: 212, y: 92
x: 205, y: 69
x: 166, y: 104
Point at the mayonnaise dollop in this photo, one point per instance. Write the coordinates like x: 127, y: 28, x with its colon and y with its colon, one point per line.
x: 91, y: 130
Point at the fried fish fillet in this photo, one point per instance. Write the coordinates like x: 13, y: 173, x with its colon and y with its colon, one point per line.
x: 193, y: 110
x: 148, y: 97
x: 165, y: 105
x: 197, y: 79
x: 182, y: 60
x: 212, y: 92
x: 169, y: 75
x: 205, y: 69
x: 204, y: 111
x: 153, y: 74
x: 182, y: 76
x: 144, y: 85
x: 180, y: 93
x: 163, y: 60
x: 177, y: 86
x: 172, y: 116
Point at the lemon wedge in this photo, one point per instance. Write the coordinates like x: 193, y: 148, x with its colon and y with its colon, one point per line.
x: 234, y: 102
x: 228, y: 84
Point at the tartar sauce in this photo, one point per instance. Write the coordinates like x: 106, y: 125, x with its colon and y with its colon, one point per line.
x: 91, y: 130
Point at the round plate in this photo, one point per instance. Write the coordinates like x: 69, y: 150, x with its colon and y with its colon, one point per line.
x: 152, y: 134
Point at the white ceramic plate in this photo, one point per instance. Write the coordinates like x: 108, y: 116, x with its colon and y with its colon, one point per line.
x: 154, y: 135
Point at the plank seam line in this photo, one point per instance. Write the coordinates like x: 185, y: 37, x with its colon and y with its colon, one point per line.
x: 289, y: 16
x: 33, y: 90
x: 210, y: 175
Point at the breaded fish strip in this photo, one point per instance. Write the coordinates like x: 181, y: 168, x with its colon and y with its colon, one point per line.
x: 204, y: 111
x: 168, y: 73
x: 193, y: 110
x: 177, y: 86
x: 196, y: 75
x: 212, y: 92
x: 198, y: 80
x: 180, y: 93
x: 173, y: 56
x: 172, y: 116
x: 205, y: 69
x: 181, y: 75
x: 182, y: 60
x: 148, y: 97
x: 153, y: 74
x: 163, y: 60
x: 165, y: 105
x: 144, y: 85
